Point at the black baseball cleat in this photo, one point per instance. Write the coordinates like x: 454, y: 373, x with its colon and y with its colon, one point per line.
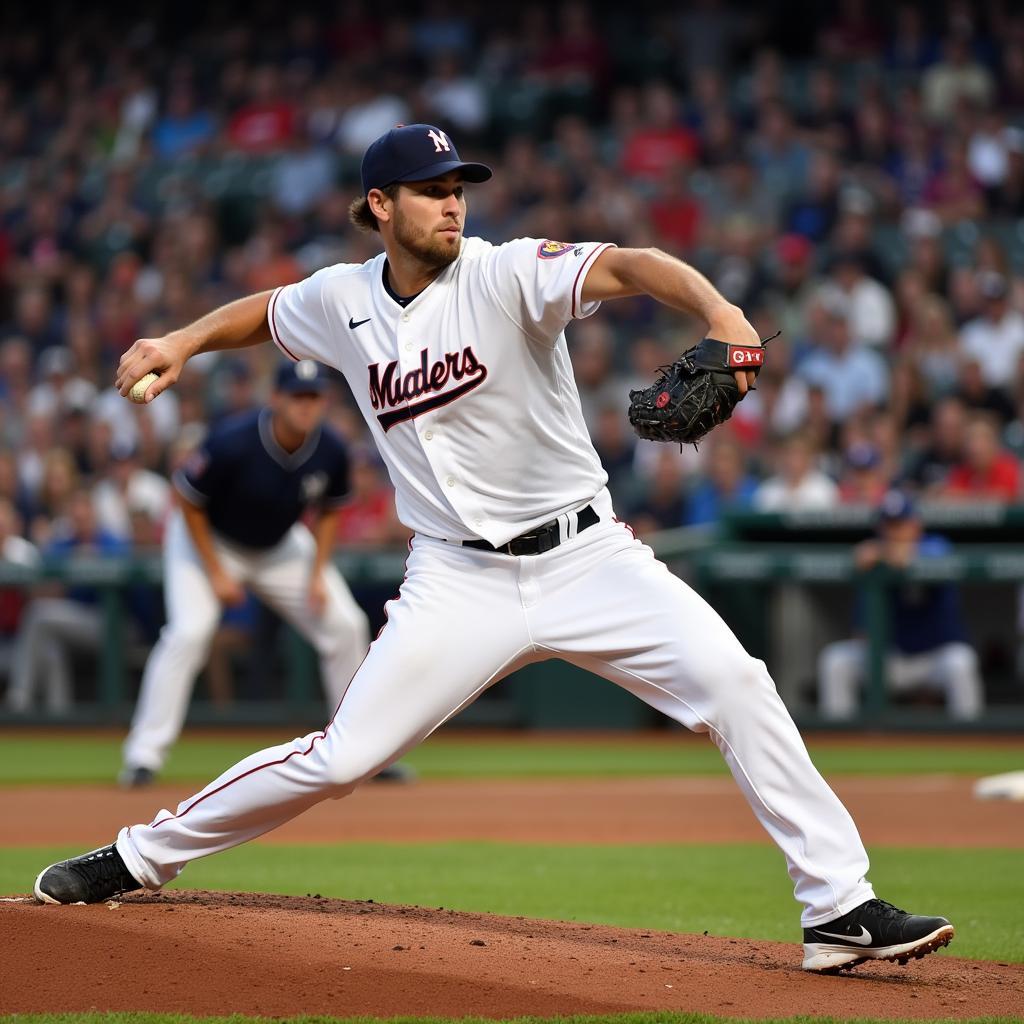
x: 91, y: 878
x: 136, y: 777
x: 396, y: 772
x: 875, y: 930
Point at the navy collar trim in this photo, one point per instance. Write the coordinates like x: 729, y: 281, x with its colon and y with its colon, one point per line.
x: 402, y: 300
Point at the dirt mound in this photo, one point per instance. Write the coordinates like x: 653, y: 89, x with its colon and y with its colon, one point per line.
x: 221, y: 953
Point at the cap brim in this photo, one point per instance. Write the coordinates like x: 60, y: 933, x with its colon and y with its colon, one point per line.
x: 471, y: 172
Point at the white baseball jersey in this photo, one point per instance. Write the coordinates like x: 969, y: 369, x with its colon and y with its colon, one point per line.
x: 468, y: 389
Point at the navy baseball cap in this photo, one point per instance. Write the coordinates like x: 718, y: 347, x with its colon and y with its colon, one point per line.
x: 896, y: 506
x: 306, y: 377
x: 414, y: 152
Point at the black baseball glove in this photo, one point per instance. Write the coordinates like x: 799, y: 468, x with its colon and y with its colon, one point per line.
x: 696, y: 393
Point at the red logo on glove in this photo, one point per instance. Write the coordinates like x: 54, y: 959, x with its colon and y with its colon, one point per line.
x: 662, y: 400
x: 745, y: 356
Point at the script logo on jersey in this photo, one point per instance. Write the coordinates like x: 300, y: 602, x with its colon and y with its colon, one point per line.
x: 550, y: 250
x: 390, y: 389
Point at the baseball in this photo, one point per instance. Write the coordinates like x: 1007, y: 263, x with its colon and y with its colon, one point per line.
x: 138, y: 392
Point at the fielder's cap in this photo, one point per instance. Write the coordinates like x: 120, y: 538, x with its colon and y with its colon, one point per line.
x: 306, y: 377
x: 895, y: 506
x: 862, y: 456
x: 415, y: 152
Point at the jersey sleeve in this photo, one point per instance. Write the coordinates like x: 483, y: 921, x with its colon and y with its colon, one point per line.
x: 203, y: 473
x: 540, y: 283
x: 297, y: 315
x: 338, y: 485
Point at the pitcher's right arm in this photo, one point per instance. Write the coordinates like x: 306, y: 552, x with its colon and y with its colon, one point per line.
x: 239, y: 324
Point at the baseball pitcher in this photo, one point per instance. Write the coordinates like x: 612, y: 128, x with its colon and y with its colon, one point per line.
x: 456, y: 353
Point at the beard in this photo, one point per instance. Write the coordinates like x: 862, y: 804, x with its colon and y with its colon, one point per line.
x: 429, y: 250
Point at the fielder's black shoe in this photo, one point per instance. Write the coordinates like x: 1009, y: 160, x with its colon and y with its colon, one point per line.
x: 397, y: 772
x: 135, y: 777
x: 875, y: 930
x: 91, y: 878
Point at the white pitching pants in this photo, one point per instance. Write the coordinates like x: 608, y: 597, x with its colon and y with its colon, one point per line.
x: 465, y: 618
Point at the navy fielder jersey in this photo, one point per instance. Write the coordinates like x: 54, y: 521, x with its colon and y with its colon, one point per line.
x: 251, y: 489
x: 924, y: 616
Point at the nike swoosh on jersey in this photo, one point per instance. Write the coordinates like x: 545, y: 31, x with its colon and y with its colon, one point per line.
x: 864, y: 939
x: 353, y: 324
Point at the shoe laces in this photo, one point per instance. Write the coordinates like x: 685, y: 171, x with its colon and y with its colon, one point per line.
x: 885, y: 909
x: 101, y: 870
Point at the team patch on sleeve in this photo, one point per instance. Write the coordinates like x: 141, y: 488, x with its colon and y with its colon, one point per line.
x: 196, y: 463
x: 550, y: 250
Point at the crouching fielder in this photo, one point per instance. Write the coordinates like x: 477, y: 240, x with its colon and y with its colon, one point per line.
x: 241, y: 497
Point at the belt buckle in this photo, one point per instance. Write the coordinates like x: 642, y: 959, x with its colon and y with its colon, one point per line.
x: 519, y: 546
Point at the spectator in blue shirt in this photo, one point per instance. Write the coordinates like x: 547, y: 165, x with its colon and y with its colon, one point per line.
x: 726, y: 486
x: 851, y: 375
x: 183, y: 128
x: 928, y: 637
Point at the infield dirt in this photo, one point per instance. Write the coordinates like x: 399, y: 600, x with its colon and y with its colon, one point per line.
x: 222, y: 953
x: 908, y: 810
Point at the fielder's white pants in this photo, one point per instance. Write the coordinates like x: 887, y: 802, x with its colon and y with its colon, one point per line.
x: 280, y: 578
x: 951, y: 669
x: 464, y: 619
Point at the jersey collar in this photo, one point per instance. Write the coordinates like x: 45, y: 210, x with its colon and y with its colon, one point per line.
x: 287, y: 460
x: 406, y: 301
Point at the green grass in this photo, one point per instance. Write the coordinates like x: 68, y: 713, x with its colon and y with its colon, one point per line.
x: 70, y: 758
x: 663, y: 1017
x: 734, y: 890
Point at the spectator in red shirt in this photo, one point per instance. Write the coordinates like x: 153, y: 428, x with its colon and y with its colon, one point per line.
x: 989, y: 472
x: 576, y: 54
x: 675, y: 214
x: 368, y: 518
x: 267, y: 121
x: 662, y: 142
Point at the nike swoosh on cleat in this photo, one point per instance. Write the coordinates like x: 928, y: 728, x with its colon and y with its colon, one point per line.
x: 353, y: 324
x: 864, y: 939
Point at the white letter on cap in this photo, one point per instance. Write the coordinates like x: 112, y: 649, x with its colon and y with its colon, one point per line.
x: 440, y: 141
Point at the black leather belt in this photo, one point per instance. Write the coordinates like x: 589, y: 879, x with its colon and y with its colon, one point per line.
x: 536, y: 542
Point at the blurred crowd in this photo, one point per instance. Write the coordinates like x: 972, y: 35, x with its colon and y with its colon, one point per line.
x: 853, y: 175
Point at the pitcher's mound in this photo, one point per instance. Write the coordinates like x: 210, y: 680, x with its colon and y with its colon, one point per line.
x: 221, y: 953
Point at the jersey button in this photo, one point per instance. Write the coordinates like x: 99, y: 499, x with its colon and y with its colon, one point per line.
x: 429, y: 435
x: 408, y: 346
x: 405, y: 318
x: 450, y: 481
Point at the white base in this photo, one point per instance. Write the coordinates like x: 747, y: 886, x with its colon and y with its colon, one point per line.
x: 1008, y: 786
